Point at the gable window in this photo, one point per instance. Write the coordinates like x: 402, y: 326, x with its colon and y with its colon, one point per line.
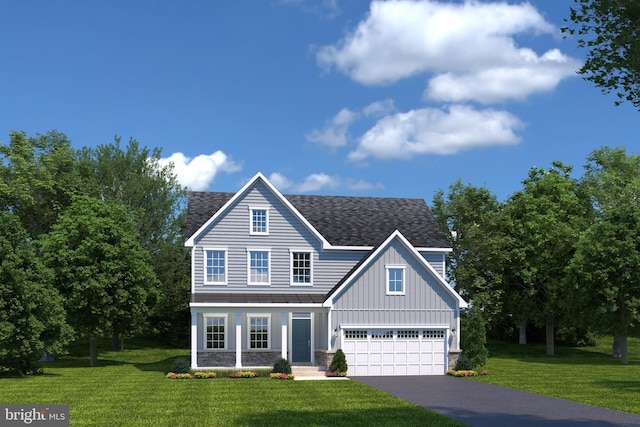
x: 215, y: 266
x: 259, y: 267
x: 259, y: 221
x: 259, y: 331
x: 215, y: 332
x: 395, y: 279
x: 301, y: 267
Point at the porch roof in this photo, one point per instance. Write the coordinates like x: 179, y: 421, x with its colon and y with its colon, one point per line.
x: 257, y: 298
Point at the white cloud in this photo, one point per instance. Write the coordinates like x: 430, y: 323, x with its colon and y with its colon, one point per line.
x: 326, y: 8
x: 335, y: 132
x: 280, y: 181
x: 459, y: 43
x: 434, y: 131
x: 318, y: 181
x: 379, y: 108
x: 199, y: 172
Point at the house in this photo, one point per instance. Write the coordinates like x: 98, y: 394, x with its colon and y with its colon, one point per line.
x: 299, y: 276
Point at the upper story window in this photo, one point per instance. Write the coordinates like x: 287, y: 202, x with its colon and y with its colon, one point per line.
x: 215, y: 266
x: 395, y: 279
x: 259, y: 221
x: 301, y: 267
x: 259, y: 267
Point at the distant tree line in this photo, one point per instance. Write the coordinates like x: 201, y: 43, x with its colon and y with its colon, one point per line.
x: 91, y: 245
x: 560, y: 255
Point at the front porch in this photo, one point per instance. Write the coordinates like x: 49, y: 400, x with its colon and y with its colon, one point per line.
x: 257, y: 337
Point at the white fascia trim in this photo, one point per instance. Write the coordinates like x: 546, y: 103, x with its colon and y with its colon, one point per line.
x: 434, y: 249
x: 252, y: 305
x: 259, y: 176
x: 397, y: 234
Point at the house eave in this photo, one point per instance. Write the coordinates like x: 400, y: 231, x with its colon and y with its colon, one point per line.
x: 254, y: 305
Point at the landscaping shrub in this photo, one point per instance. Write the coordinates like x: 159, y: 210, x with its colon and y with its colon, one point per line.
x: 339, y: 362
x: 473, y: 339
x: 243, y: 374
x: 463, y: 364
x: 282, y: 366
x: 280, y: 376
x: 181, y: 365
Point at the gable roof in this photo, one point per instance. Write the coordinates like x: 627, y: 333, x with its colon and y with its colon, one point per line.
x: 367, y: 260
x: 340, y: 220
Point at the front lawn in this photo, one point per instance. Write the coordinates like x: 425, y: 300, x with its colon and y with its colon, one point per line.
x: 583, y: 374
x: 129, y: 388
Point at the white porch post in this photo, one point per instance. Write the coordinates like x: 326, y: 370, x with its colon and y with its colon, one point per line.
x: 194, y: 340
x: 285, y: 335
x: 238, y: 339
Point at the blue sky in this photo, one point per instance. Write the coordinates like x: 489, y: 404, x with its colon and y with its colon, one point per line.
x: 391, y: 99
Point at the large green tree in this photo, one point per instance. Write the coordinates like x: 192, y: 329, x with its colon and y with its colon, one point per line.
x: 604, y: 272
x: 32, y: 318
x: 467, y: 215
x: 134, y: 177
x: 100, y: 268
x: 37, y: 178
x: 610, y: 32
x: 543, y: 221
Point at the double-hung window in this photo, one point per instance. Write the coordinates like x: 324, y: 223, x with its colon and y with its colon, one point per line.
x: 259, y: 217
x: 215, y: 266
x: 258, y: 267
x: 301, y: 267
x: 259, y: 330
x: 395, y: 279
x: 215, y: 332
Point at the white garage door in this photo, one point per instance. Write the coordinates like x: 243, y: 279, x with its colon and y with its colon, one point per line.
x: 395, y: 352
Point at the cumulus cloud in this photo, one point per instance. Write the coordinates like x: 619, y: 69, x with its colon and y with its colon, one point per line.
x: 436, y: 131
x: 318, y: 181
x: 334, y: 133
x: 199, y: 172
x: 462, y: 45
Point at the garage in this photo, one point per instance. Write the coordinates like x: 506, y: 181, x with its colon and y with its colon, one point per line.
x: 395, y: 351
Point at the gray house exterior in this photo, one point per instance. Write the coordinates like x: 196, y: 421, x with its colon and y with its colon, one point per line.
x: 298, y: 277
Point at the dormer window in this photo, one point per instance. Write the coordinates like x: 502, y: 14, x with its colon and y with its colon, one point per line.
x: 259, y: 221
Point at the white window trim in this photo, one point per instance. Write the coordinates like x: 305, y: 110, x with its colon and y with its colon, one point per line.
x: 204, y: 264
x: 291, y: 252
x: 254, y: 316
x: 226, y: 331
x: 388, y: 269
x: 258, y: 208
x: 268, y: 251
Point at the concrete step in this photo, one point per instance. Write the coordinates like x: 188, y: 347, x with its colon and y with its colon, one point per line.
x: 307, y: 371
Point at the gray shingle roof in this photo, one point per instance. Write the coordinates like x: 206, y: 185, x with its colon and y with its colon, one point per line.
x: 342, y: 220
x: 256, y: 298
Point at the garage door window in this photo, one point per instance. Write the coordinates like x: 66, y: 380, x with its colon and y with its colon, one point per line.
x: 355, y: 335
x: 433, y: 334
x: 408, y: 334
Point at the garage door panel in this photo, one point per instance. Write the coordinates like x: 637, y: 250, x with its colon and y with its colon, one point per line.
x: 385, y: 352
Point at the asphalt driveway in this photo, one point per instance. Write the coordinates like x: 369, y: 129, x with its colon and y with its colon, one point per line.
x: 486, y: 405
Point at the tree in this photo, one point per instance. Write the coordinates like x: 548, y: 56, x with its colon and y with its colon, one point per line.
x: 133, y: 177
x: 604, y: 274
x: 100, y: 268
x: 473, y: 338
x: 543, y: 222
x: 37, y: 179
x: 610, y: 31
x: 467, y: 216
x: 32, y: 319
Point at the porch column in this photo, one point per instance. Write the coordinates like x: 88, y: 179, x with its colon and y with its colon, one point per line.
x: 238, y: 339
x: 194, y: 340
x: 285, y: 335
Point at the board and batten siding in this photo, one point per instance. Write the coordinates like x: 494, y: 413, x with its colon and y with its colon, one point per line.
x: 436, y: 260
x: 286, y: 233
x: 365, y: 301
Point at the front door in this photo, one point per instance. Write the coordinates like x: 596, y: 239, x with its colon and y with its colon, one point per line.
x: 301, y: 341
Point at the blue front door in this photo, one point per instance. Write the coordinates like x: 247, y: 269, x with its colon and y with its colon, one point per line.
x: 301, y: 341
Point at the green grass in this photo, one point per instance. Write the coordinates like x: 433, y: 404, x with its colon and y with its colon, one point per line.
x: 582, y: 374
x: 129, y: 388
